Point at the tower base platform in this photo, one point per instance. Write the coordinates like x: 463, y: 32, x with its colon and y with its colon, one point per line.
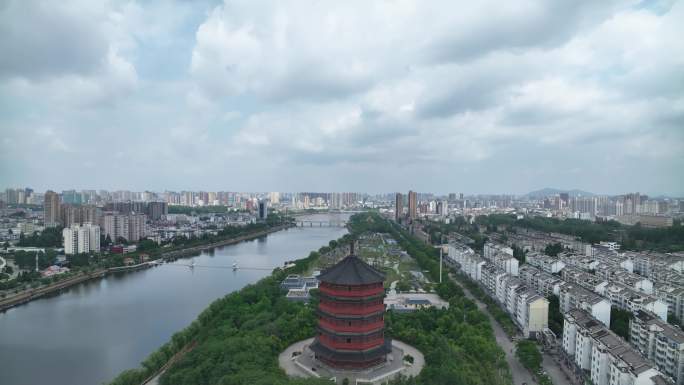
x: 298, y: 361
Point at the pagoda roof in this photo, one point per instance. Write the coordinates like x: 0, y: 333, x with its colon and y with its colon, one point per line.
x: 351, y: 271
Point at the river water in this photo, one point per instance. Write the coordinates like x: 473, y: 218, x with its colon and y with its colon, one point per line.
x: 91, y: 332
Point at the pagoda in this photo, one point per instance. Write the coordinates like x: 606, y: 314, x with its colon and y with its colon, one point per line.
x: 351, y: 322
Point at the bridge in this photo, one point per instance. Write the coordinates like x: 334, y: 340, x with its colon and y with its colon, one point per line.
x: 313, y: 223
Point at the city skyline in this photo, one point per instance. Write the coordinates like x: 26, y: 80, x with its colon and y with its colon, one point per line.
x: 538, y: 193
x: 267, y: 97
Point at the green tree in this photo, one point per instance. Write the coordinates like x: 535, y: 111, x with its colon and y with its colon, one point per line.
x: 519, y: 254
x: 526, y: 351
x: 619, y: 321
x: 553, y: 249
x: 555, y: 315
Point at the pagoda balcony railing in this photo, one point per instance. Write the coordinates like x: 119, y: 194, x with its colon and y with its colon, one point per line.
x: 351, y: 309
x: 343, y: 345
x: 345, y: 328
x: 353, y: 293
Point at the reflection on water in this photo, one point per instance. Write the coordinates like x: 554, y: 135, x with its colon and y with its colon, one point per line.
x: 91, y: 332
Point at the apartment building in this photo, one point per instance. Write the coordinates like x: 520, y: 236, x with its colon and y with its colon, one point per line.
x: 660, y: 342
x: 81, y: 239
x: 544, y: 262
x: 601, y: 356
x: 489, y: 277
x: 532, y: 312
x: 627, y: 298
x: 491, y: 249
x: 131, y: 227
x: 544, y: 283
x: 673, y: 296
x: 572, y: 296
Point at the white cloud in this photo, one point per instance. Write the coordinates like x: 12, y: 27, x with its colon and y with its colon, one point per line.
x: 389, y: 93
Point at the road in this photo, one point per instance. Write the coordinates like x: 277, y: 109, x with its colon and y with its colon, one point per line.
x: 520, y: 373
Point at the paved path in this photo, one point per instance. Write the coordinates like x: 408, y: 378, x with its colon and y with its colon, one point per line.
x: 393, y: 288
x: 286, y: 362
x: 520, y: 373
x: 554, y: 371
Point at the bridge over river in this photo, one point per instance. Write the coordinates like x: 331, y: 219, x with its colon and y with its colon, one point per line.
x: 315, y: 223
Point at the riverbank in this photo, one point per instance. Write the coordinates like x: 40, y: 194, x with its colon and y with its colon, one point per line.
x: 32, y: 294
x: 175, y: 254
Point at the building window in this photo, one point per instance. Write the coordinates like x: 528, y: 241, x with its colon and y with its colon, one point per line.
x: 349, y: 340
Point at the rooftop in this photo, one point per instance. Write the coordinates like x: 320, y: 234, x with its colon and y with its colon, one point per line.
x: 351, y: 271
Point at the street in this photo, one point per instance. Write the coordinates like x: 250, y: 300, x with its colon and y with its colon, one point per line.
x: 518, y: 371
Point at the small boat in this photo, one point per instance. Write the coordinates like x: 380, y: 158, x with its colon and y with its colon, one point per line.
x: 235, y: 266
x: 192, y: 264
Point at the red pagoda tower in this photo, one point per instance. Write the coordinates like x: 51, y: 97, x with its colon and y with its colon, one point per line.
x: 351, y: 323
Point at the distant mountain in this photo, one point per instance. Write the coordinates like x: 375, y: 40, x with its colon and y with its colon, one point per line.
x: 553, y: 191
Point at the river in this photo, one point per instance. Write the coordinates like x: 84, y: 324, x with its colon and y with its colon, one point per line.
x: 91, y: 332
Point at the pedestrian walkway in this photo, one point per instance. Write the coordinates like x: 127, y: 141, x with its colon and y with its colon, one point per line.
x: 518, y: 371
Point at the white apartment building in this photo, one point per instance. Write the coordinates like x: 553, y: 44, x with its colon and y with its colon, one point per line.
x: 673, y: 296
x: 575, y: 297
x: 603, y: 357
x: 527, y: 308
x: 507, y: 264
x: 545, y: 263
x: 491, y: 249
x: 490, y: 276
x: 660, y: 342
x: 131, y: 227
x: 532, y: 312
x: 80, y: 239
x: 626, y: 298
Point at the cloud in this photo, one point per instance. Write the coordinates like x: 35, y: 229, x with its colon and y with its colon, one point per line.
x: 250, y: 95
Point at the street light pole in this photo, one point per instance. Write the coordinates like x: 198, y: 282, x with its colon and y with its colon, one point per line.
x: 441, y: 248
x: 440, y: 263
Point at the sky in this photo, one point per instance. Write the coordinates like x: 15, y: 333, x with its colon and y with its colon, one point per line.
x: 434, y: 96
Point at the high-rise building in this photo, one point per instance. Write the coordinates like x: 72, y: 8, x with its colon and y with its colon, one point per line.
x: 81, y: 239
x: 398, y: 206
x: 584, y: 205
x: 211, y: 198
x: 263, y: 210
x: 564, y: 200
x: 187, y: 198
x: 274, y: 197
x: 12, y: 196
x: 79, y: 214
x: 412, y: 204
x: 131, y: 227
x: 335, y: 200
x: 442, y: 208
x: 156, y: 210
x: 51, y: 209
x: 136, y: 227
x: 71, y: 196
